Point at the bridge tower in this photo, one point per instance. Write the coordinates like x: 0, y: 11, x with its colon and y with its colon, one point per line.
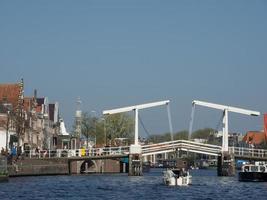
x: 135, y: 154
x: 225, y: 160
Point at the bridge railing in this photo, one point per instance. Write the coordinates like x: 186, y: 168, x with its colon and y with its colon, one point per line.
x: 180, y: 142
x: 185, y: 145
x: 248, y: 152
x: 59, y: 153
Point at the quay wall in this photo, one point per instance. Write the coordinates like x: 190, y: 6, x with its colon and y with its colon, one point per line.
x: 37, y: 167
x: 59, y: 166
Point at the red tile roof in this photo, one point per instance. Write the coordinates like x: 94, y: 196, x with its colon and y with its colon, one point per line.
x: 255, y: 137
x: 10, y: 93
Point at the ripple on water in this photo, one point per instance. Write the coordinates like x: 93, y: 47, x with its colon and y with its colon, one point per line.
x: 206, y: 185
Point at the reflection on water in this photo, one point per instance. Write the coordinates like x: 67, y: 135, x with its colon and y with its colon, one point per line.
x: 206, y: 185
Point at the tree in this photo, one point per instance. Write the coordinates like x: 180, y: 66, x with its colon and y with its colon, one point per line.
x: 203, y: 133
x: 88, y: 126
x: 119, y: 125
x: 181, y: 135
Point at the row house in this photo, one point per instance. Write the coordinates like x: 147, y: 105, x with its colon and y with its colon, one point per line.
x: 11, y: 99
x: 32, y: 121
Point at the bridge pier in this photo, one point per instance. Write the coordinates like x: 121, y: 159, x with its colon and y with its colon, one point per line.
x: 135, y: 165
x: 226, y: 164
x: 135, y: 161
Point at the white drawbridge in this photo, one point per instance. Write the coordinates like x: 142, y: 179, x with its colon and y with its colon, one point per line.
x: 136, y: 148
x: 225, y: 110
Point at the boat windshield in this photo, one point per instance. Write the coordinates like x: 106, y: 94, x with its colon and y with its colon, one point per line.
x: 246, y: 168
x: 254, y: 168
x: 262, y: 168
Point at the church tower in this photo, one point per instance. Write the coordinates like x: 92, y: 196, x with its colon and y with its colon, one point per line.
x: 78, y: 119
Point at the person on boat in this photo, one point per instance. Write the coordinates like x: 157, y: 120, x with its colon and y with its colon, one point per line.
x: 184, y: 173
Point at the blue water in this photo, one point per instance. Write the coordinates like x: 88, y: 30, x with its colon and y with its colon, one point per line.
x: 206, y: 185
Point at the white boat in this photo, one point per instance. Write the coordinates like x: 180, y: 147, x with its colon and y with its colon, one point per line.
x: 177, y: 177
x: 256, y: 172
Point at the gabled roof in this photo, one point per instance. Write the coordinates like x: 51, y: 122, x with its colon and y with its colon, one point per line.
x: 255, y: 137
x: 10, y: 94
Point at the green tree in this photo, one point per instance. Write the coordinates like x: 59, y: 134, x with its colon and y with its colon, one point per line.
x: 119, y: 125
x: 181, y: 135
x: 160, y: 138
x: 203, y: 133
x: 88, y: 126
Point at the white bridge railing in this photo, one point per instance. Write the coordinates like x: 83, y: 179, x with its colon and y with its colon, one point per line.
x: 152, y: 149
x: 59, y: 153
x: 248, y: 152
x: 184, y: 145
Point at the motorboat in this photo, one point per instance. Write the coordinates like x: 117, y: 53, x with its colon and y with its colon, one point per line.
x: 177, y: 177
x: 256, y: 172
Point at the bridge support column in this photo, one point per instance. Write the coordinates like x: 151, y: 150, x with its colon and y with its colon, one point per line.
x: 135, y: 165
x: 135, y: 161
x: 226, y: 164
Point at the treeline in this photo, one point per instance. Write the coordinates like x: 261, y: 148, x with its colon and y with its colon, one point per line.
x: 106, y: 130
x: 206, y: 133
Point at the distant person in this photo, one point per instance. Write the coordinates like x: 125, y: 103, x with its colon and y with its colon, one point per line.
x: 13, y: 151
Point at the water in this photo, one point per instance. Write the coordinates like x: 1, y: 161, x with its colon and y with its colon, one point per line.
x: 206, y: 185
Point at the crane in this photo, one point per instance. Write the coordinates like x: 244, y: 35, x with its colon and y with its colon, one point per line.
x: 136, y: 148
x: 225, y: 110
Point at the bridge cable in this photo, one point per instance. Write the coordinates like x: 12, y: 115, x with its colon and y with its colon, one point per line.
x: 219, y: 123
x: 170, y: 124
x: 143, y: 125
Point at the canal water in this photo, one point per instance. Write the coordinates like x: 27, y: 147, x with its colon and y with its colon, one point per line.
x: 206, y: 185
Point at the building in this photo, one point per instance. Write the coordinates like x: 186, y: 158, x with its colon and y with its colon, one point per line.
x: 257, y: 138
x: 11, y: 112
x: 32, y: 121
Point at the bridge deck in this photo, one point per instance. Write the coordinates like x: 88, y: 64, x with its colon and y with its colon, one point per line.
x: 152, y: 149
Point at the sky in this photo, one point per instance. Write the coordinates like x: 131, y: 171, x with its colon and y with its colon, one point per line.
x: 119, y: 53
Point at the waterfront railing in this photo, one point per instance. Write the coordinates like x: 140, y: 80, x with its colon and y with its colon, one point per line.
x: 60, y: 153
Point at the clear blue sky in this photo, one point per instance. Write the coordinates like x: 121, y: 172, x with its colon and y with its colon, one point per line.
x: 120, y: 53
